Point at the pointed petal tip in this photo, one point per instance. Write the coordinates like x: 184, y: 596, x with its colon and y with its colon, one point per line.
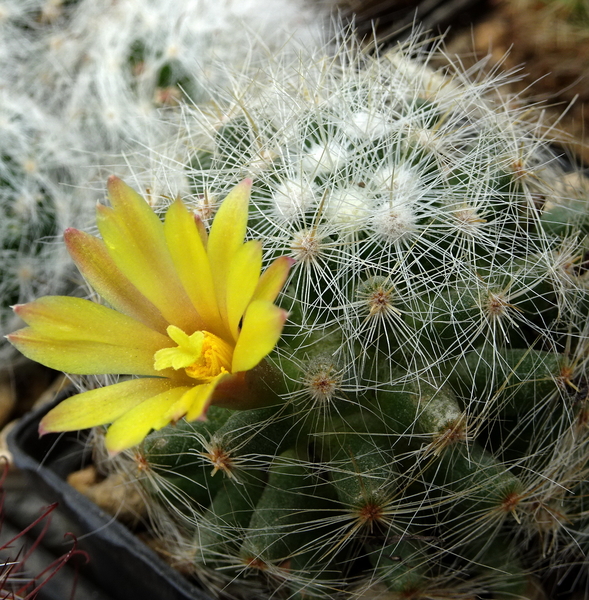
x: 117, y: 190
x: 70, y: 236
x: 113, y: 449
x: 113, y: 185
x: 243, y: 189
x: 45, y: 426
x: 70, y: 233
x: 18, y: 308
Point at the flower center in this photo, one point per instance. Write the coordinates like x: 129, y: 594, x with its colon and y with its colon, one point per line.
x: 202, y: 355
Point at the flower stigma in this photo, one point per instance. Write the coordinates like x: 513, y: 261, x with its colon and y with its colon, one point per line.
x: 203, y: 355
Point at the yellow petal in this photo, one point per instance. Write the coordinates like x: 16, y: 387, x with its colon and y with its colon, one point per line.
x: 242, y: 280
x: 70, y: 318
x: 134, y: 237
x: 273, y: 279
x: 79, y: 336
x: 100, y: 271
x: 132, y: 427
x: 261, y: 330
x: 192, y: 265
x: 226, y: 237
x: 101, y: 406
x: 202, y: 231
x: 82, y: 357
x: 198, y: 394
x: 199, y: 398
x: 181, y: 406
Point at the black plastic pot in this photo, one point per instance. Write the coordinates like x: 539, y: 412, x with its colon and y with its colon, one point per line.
x: 120, y: 564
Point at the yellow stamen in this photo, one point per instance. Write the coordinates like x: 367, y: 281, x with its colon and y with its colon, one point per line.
x: 202, y: 355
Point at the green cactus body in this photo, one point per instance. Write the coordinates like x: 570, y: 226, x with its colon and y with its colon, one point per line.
x: 237, y: 445
x: 359, y: 464
x: 500, y: 572
x: 177, y: 457
x: 418, y: 408
x: 290, y: 515
x: 513, y: 378
x: 474, y: 480
x: 251, y: 439
x: 222, y: 530
x: 402, y: 566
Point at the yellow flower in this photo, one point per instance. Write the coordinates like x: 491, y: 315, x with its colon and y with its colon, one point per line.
x: 191, y: 316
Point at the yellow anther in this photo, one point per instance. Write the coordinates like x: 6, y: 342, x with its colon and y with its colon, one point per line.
x: 202, y: 355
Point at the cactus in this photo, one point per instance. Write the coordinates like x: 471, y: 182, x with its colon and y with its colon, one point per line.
x: 432, y: 435
x: 108, y: 68
x: 421, y: 425
x: 36, y: 175
x: 85, y: 82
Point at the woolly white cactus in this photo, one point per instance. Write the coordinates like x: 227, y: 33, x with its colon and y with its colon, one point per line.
x: 112, y: 64
x: 91, y: 86
x: 37, y: 173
